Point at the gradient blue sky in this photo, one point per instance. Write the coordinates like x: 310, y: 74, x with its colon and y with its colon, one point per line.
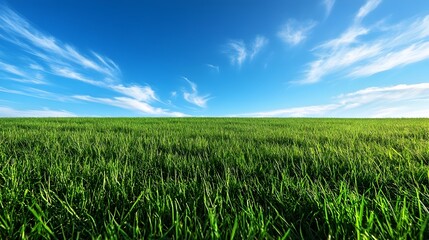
x: 279, y: 58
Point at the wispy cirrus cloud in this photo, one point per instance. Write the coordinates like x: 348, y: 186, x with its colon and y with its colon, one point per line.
x: 350, y: 56
x: 43, y: 59
x: 47, y: 55
x: 213, y: 67
x: 348, y: 37
x: 343, y: 51
x: 259, y: 43
x: 239, y: 52
x: 193, y: 95
x: 294, y: 32
x: 139, y: 93
x: 338, y: 59
x: 131, y: 104
x: 12, y: 91
x: 404, y: 100
x: 13, y: 73
x: 316, y: 110
x: 11, y: 69
x: 414, y: 53
x: 67, y: 72
x: 37, y: 93
x: 328, y: 4
x: 390, y: 94
x: 11, y: 112
x: 16, y: 30
x: 36, y: 66
x: 369, y: 6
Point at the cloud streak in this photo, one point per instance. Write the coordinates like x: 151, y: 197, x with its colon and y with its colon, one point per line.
x: 43, y: 59
x: 348, y: 56
x: 294, y: 32
x: 129, y: 103
x: 369, y: 6
x: 213, y: 67
x: 193, y: 96
x: 16, y: 30
x: 13, y: 73
x: 415, y: 53
x: 238, y: 52
x: 10, y: 112
x: 328, y: 4
x: 143, y: 94
x: 404, y: 100
x: 316, y: 110
x: 402, y: 92
x: 259, y: 43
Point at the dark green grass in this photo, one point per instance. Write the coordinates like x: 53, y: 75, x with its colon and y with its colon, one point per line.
x: 214, y: 178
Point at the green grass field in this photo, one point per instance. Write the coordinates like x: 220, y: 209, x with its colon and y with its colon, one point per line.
x: 214, y: 178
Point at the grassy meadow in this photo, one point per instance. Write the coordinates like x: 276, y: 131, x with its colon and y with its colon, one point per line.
x: 214, y: 178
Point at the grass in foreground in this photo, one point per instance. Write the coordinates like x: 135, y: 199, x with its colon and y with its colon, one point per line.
x: 214, y: 178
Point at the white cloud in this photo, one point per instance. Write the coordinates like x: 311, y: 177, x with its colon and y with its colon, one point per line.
x: 37, y: 49
x: 238, y: 51
x: 402, y: 111
x: 72, y: 74
x: 11, y: 69
x: 348, y: 55
x: 258, y: 44
x: 11, y: 91
x: 145, y: 94
x: 35, y: 66
x: 294, y: 32
x: 414, y: 53
x: 350, y: 36
x: 404, y: 100
x: 110, y: 64
x: 131, y: 104
x: 193, y: 97
x: 13, y: 73
x: 20, y: 32
x: 369, y: 6
x: 339, y: 59
x: 10, y: 112
x: 400, y: 92
x: 42, y: 56
x: 329, y: 4
x: 317, y: 110
x: 36, y: 93
x: 213, y: 67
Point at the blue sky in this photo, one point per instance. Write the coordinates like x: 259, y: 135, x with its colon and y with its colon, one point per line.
x: 245, y: 58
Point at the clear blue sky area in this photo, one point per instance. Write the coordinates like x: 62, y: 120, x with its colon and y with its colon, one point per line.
x: 245, y: 58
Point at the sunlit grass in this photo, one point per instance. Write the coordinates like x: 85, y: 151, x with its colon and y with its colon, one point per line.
x: 214, y: 178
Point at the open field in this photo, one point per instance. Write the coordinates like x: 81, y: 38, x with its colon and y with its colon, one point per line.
x: 214, y: 178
